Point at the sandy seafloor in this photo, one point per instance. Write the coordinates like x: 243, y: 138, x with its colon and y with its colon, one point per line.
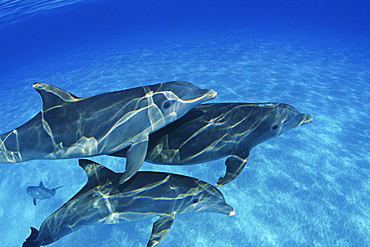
x: 308, y: 187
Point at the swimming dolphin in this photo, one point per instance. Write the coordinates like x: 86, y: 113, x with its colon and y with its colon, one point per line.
x: 103, y: 200
x: 72, y: 127
x: 213, y: 131
x: 40, y: 192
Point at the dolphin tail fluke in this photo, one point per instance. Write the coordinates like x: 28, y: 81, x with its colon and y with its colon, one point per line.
x: 31, y: 240
x: 9, y: 147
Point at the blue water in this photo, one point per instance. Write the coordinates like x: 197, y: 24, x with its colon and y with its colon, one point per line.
x: 308, y: 187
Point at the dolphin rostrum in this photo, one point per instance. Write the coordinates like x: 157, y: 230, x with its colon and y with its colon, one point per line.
x: 103, y: 200
x: 40, y: 192
x: 72, y: 127
x: 213, y: 131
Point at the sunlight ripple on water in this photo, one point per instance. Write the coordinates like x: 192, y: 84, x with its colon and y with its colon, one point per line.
x: 14, y: 11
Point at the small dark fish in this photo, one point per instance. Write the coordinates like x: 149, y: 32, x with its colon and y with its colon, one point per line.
x: 40, y: 192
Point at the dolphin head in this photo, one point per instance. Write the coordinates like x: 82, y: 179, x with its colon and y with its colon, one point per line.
x: 207, y: 198
x: 174, y: 99
x: 273, y: 119
x: 31, y: 190
x: 287, y: 117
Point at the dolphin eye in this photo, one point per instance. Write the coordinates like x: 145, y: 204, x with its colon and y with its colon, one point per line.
x: 195, y: 200
x: 166, y: 105
x: 275, y: 127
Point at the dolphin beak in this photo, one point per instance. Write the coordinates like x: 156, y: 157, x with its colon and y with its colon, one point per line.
x: 199, y: 96
x: 307, y: 118
x: 211, y: 94
x: 222, y: 209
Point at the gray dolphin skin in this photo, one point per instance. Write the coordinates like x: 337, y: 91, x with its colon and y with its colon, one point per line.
x: 213, y: 131
x: 40, y: 192
x: 72, y: 127
x: 103, y: 200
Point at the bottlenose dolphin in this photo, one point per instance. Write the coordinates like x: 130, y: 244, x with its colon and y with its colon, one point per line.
x: 40, y: 192
x: 72, y: 127
x: 213, y: 131
x: 103, y: 200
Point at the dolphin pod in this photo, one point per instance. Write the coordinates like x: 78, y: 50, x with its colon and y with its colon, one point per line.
x: 72, y: 127
x: 213, y: 131
x: 163, y: 124
x: 103, y: 200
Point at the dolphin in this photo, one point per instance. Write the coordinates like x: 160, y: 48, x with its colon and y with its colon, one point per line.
x: 40, y: 192
x: 212, y: 131
x: 103, y: 200
x: 72, y: 127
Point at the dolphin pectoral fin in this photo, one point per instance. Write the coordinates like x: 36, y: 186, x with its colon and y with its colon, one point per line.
x: 34, y: 201
x: 160, y: 229
x: 234, y: 165
x: 135, y: 156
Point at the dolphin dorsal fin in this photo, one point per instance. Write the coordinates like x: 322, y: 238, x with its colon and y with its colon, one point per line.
x: 41, y: 185
x: 53, y: 96
x: 97, y: 173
